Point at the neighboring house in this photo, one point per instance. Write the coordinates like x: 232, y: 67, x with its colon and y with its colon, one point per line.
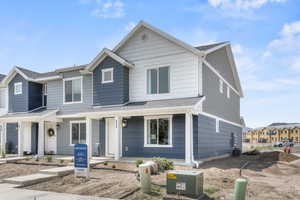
x: 3, y: 107
x: 152, y: 95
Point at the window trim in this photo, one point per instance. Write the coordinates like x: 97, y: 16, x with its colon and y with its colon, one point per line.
x: 157, y: 68
x: 146, y: 118
x: 64, y: 88
x: 228, y: 92
x: 21, y: 90
x: 77, y: 122
x: 112, y: 75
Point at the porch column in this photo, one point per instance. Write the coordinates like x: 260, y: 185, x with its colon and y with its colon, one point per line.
x: 20, y: 138
x: 41, y: 138
x: 89, y: 130
x: 3, y: 138
x: 118, y: 133
x: 188, y: 138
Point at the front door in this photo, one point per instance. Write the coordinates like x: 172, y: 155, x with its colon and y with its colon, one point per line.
x: 111, y: 137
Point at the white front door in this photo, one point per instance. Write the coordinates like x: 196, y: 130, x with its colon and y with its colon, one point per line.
x: 111, y: 137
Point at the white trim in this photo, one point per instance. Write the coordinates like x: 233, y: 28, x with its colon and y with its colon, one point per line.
x: 189, y: 154
x: 64, y: 96
x: 217, y: 125
x: 159, y: 32
x: 50, y: 78
x: 103, y: 71
x: 219, y: 118
x: 220, y: 76
x: 221, y: 86
x: 228, y: 92
x: 18, y: 84
x: 216, y: 48
x: 77, y: 122
x: 170, y: 134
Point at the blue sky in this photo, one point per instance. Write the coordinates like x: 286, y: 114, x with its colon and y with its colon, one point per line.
x: 265, y: 36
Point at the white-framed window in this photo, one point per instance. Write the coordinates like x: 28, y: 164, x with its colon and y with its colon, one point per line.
x: 228, y: 92
x: 217, y: 126
x: 158, y: 131
x: 73, y: 90
x: 77, y: 132
x: 221, y: 86
x: 158, y: 80
x: 18, y: 89
x: 107, y: 75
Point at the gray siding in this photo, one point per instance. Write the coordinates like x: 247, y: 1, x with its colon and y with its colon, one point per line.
x: 211, y: 143
x: 18, y: 103
x: 217, y: 103
x: 113, y: 93
x: 11, y: 138
x: 219, y: 60
x: 35, y: 91
x: 63, y: 137
x: 133, y: 140
x: 102, y: 137
x: 55, y: 95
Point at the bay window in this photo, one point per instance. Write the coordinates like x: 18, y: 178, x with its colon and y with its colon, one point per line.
x: 158, y: 80
x: 158, y: 131
x: 73, y: 90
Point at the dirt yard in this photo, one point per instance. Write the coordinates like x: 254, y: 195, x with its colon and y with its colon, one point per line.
x: 10, y: 170
x: 271, y: 175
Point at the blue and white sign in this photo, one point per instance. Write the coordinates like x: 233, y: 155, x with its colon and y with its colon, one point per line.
x: 81, y: 160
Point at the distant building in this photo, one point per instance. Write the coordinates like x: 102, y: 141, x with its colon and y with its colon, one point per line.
x: 274, y: 133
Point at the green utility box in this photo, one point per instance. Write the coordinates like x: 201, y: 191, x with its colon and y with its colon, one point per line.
x: 187, y: 183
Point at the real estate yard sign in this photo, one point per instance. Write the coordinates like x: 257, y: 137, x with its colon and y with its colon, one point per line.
x: 81, y: 160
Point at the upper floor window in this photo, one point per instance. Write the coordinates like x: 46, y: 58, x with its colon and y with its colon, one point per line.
x: 228, y: 92
x: 158, y: 80
x: 221, y: 86
x: 73, y: 90
x: 107, y: 75
x: 18, y: 88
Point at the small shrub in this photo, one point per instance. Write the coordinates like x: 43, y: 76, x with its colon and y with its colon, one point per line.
x: 3, y: 155
x: 138, y: 162
x: 211, y: 190
x: 27, y: 158
x: 113, y: 166
x: 105, y: 163
x: 49, y: 158
x: 163, y: 163
x: 61, y: 161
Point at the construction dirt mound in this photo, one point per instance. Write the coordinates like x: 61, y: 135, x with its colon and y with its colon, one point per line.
x: 277, y: 156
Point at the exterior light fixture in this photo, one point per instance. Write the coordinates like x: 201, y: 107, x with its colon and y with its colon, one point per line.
x: 124, y: 123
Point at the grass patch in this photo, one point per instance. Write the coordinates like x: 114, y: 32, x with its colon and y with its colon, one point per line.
x: 211, y: 190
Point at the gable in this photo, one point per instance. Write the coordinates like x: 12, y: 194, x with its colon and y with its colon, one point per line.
x: 219, y: 59
x: 146, y: 44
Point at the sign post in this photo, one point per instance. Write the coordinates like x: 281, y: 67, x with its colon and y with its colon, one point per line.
x: 81, y: 161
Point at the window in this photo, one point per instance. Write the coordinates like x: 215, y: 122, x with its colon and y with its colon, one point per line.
x: 2, y: 98
x: 221, y: 86
x: 158, y: 80
x: 228, y: 92
x: 108, y: 75
x: 18, y: 88
x: 78, y: 132
x: 158, y: 132
x: 73, y: 90
x: 217, y: 126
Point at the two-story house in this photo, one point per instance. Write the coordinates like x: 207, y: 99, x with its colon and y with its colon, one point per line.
x: 3, y: 107
x: 152, y: 95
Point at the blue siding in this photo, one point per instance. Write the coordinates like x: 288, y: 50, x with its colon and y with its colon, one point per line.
x: 35, y: 98
x: 211, y: 143
x: 18, y: 103
x: 133, y: 140
x: 113, y: 93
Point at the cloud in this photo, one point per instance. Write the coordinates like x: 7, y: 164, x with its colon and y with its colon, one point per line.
x: 241, y: 4
x: 130, y: 26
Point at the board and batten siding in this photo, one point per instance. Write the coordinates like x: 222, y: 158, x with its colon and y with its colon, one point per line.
x: 156, y: 51
x: 217, y: 103
x: 64, y: 146
x: 133, y: 140
x: 55, y: 98
x: 212, y: 143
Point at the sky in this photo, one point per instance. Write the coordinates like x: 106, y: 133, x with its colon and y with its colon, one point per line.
x: 264, y: 35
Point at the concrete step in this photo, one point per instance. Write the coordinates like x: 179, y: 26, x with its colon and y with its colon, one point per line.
x: 29, y: 179
x: 58, y: 171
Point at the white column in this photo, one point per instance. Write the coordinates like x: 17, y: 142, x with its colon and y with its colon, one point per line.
x: 3, y: 138
x: 118, y: 133
x: 188, y: 138
x: 20, y: 138
x: 89, y: 131
x: 41, y: 138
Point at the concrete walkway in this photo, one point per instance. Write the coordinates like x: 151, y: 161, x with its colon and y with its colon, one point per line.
x: 8, y: 191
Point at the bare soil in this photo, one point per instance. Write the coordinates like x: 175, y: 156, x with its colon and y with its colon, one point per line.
x: 270, y: 175
x: 9, y: 170
x: 44, y: 161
